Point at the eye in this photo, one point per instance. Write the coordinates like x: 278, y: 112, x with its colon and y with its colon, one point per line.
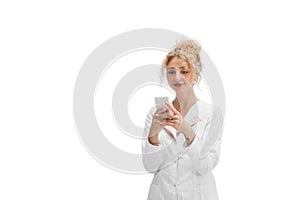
x: 184, y: 72
x: 171, y: 72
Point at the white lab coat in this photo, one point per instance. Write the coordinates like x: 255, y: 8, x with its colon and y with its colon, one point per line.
x: 184, y: 172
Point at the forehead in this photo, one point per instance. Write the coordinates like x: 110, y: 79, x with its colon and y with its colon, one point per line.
x: 177, y: 62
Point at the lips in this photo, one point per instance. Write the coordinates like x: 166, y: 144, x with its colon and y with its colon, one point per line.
x: 178, y: 84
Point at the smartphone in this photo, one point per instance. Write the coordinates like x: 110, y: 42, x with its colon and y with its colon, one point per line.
x: 160, y: 102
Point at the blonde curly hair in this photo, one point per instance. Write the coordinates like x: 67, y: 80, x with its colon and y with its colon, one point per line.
x: 189, y: 50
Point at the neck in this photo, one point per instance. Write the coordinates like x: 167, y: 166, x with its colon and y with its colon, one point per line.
x: 186, y: 100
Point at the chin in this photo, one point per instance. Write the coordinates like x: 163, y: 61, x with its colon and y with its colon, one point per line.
x: 179, y: 89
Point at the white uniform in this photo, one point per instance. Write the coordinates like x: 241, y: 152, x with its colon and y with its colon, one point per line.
x: 184, y: 172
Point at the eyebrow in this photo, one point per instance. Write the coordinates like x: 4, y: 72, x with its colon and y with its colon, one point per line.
x: 179, y: 68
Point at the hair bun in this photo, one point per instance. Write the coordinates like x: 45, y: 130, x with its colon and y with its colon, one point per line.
x: 187, y: 49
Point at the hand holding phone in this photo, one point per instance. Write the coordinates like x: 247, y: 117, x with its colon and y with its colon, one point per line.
x: 158, y: 119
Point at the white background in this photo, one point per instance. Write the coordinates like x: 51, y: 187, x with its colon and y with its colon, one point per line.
x: 254, y: 44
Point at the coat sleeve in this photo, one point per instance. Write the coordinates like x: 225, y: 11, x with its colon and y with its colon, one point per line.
x: 205, y: 149
x: 151, y: 154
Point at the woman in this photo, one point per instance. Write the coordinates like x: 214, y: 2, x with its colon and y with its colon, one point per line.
x: 178, y: 134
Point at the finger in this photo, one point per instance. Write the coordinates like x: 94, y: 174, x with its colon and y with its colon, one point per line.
x: 170, y: 115
x: 169, y: 118
x: 160, y: 122
x: 165, y: 115
x: 173, y: 121
x: 161, y: 110
x: 157, y: 112
x: 175, y: 117
x: 172, y: 108
x: 171, y: 124
x: 161, y: 116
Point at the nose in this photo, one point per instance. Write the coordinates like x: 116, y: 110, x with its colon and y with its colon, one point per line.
x: 178, y: 76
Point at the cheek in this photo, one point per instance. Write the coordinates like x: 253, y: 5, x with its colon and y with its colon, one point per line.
x: 190, y: 78
x: 168, y: 78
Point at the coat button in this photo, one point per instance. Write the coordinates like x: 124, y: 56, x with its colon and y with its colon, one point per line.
x: 174, y: 185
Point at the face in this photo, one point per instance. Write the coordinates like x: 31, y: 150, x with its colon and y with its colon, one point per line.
x: 180, y: 75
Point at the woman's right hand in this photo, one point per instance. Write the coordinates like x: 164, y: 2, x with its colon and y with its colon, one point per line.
x: 159, y: 119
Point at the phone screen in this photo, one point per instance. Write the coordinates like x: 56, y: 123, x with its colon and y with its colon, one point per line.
x: 160, y: 102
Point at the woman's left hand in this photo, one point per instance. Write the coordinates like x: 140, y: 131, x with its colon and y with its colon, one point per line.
x: 176, y: 120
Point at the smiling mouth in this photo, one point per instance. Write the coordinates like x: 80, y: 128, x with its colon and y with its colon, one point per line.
x: 178, y: 84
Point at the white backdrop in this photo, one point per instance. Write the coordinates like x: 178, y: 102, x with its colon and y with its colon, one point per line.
x: 254, y: 45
